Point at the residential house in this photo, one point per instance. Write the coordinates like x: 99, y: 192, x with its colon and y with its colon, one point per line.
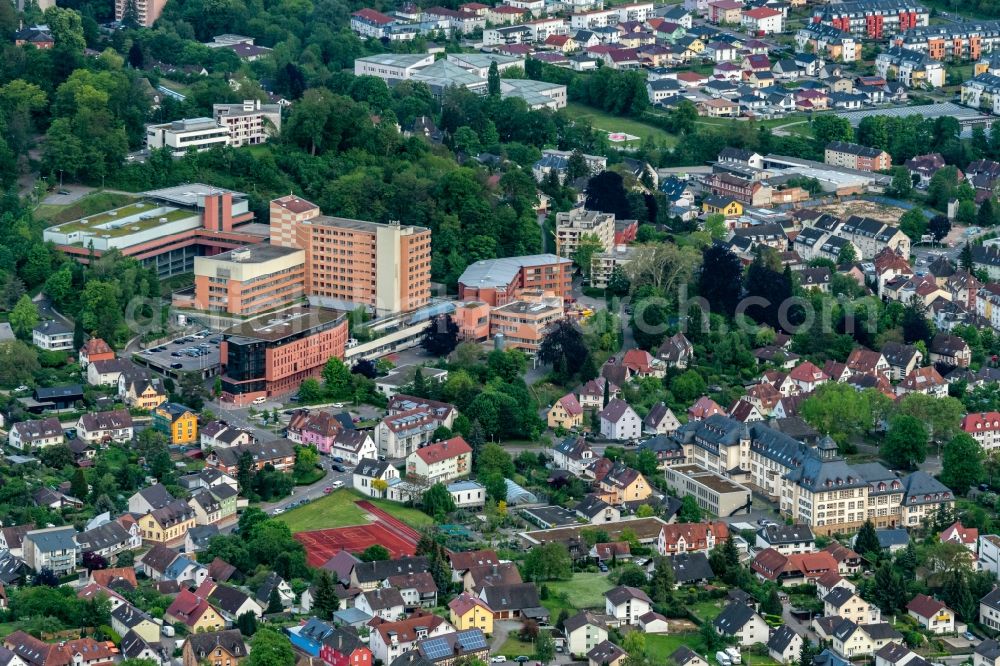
x: 214, y: 648
x: 194, y: 612
x: 29, y: 435
x: 384, y: 602
x: 440, y: 462
x: 950, y: 350
x: 371, y: 477
x: 103, y: 427
x: 607, y: 653
x: 741, y: 623
x: 512, y: 601
x: 585, y: 631
x: 467, y: 611
x: 623, y: 485
x: 626, y: 604
x: 784, y: 645
x: 931, y: 614
x: 566, y: 413
x: 619, y: 421
x: 52, y: 548
x: 177, y: 422
x: 128, y: 618
x: 572, y: 454
x: 660, y: 420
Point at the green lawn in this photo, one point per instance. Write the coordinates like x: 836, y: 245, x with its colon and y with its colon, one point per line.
x: 708, y: 609
x: 659, y: 647
x: 609, y: 123
x: 335, y: 510
x: 338, y: 510
x: 584, y: 590
x: 515, y: 647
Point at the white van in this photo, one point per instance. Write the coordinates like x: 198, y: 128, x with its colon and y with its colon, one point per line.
x: 337, y: 484
x: 260, y: 400
x: 723, y: 658
x: 734, y: 655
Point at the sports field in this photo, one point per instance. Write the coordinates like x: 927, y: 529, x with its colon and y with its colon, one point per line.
x: 363, y: 524
x: 339, y: 509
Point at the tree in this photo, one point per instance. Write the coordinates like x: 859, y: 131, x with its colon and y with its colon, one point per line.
x: 18, y: 363
x: 441, y: 336
x: 888, y: 591
x: 827, y: 128
x: 847, y: 255
x: 965, y: 258
x: 563, y: 346
x: 437, y: 501
x: 689, y: 512
x: 550, y: 561
x: 336, y: 378
x: 913, y: 223
x: 247, y: 622
x: 606, y: 193
x: 274, y: 601
x: 905, y: 445
x: 56, y: 457
x: 589, y: 245
x: 79, y: 487
x: 772, y: 603
x: 838, y: 410
x: 710, y: 638
x: 902, y: 183
x: 939, y: 226
x: 493, y: 80
x: 661, y: 585
x: 545, y: 647
x: 688, y: 386
x: 715, y: 225
x: 24, y: 317
x: 375, y: 553
x: 962, y: 463
x: 986, y: 216
x: 270, y: 648
x: 310, y: 391
x: 721, y: 279
x: 867, y: 540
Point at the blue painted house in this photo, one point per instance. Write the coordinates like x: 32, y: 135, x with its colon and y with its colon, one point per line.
x: 309, y: 637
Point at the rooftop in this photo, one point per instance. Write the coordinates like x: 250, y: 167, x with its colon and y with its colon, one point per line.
x: 279, y: 325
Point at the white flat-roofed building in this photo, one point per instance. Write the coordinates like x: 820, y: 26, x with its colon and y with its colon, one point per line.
x: 479, y: 63
x: 249, y: 123
x: 715, y: 493
x: 536, y: 94
x: 180, y: 136
x: 392, y: 66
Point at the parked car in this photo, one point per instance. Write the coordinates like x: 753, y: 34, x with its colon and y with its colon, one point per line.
x: 499, y: 659
x: 338, y: 467
x: 328, y: 490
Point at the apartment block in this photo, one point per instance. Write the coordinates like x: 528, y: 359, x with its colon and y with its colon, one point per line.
x: 250, y: 123
x: 573, y: 225
x: 984, y: 427
x: 856, y: 156
x: 713, y: 492
x: 165, y: 230
x: 911, y: 68
x: 145, y: 12
x: 188, y: 134
x: 966, y: 40
x: 248, y: 280
x: 524, y: 324
x: 273, y: 354
x: 497, y: 282
x: 982, y: 92
x: 873, y: 19
x: 825, y: 40
x: 349, y: 263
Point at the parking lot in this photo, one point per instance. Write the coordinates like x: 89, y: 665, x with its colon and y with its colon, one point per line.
x: 196, y: 353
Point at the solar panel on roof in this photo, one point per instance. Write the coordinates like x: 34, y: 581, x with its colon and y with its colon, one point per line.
x: 473, y: 639
x: 436, y: 648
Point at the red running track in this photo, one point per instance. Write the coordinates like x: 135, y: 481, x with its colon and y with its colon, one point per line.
x: 398, y: 537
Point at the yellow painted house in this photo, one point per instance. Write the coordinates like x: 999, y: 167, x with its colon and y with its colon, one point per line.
x: 168, y: 524
x: 470, y: 612
x: 624, y: 484
x: 727, y: 206
x: 566, y: 413
x: 145, y: 394
x: 177, y: 422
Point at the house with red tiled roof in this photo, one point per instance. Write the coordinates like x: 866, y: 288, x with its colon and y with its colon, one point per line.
x: 703, y: 408
x: 868, y: 362
x: 565, y: 413
x: 622, y: 485
x: 763, y: 396
x: 591, y: 394
x: 95, y: 349
x: 194, y: 612
x: 371, y: 23
x: 808, y: 377
x: 440, y: 462
x: 924, y: 380
x: 959, y: 533
x: 640, y: 363
x: 31, y: 651
x: 388, y: 640
x: 690, y: 537
x: 933, y: 615
x: 984, y: 427
x: 793, y: 569
x: 838, y: 372
x: 762, y: 20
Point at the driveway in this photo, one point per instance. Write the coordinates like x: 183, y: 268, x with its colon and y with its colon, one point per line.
x: 501, y: 630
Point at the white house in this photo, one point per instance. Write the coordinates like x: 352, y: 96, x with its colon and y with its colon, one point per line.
x: 28, y: 435
x: 572, y: 454
x: 369, y: 471
x: 584, y: 631
x: 53, y: 336
x: 740, y: 622
x: 440, y: 462
x: 932, y: 614
x: 762, y: 20
x: 784, y: 645
x: 619, y: 421
x: 627, y: 604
